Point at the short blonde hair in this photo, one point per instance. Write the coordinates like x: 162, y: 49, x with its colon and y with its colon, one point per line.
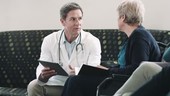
x: 133, y: 10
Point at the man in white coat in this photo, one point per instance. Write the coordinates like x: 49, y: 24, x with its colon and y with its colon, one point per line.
x: 70, y: 47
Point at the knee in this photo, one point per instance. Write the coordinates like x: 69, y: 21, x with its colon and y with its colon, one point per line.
x: 150, y: 66
x: 32, y: 85
x: 72, y: 80
x: 145, y: 67
x: 34, y: 89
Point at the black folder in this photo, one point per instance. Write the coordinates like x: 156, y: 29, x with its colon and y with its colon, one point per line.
x: 54, y: 66
x: 93, y: 71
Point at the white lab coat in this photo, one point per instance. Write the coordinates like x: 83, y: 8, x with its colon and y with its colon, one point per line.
x: 90, y: 55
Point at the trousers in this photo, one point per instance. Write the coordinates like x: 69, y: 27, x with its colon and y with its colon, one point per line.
x: 139, y: 77
x: 34, y: 89
x: 159, y: 85
x: 82, y: 85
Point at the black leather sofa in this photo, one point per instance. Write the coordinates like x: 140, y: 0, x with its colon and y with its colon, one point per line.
x: 20, y: 50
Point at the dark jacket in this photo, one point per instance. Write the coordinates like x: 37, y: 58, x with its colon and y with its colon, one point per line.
x: 141, y: 46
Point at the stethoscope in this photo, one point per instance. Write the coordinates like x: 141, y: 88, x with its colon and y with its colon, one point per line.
x: 79, y: 44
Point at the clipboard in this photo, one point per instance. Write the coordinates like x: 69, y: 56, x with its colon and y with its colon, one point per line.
x: 88, y: 70
x: 54, y: 66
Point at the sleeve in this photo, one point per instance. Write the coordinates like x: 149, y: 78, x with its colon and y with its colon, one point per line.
x: 138, y: 51
x: 44, y: 55
x: 94, y: 57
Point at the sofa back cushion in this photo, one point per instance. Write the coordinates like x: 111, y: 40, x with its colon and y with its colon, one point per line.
x: 20, y: 50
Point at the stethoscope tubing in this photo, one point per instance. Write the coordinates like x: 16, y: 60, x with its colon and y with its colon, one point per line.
x: 61, y: 64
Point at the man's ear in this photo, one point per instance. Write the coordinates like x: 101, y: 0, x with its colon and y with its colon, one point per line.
x: 62, y: 21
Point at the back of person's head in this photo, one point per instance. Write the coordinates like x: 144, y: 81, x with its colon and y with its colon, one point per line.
x: 166, y: 55
x: 65, y: 9
x: 133, y: 10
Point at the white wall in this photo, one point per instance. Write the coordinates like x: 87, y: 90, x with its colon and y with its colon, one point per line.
x: 98, y: 14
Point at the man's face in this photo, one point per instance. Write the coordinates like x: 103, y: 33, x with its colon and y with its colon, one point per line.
x: 72, y: 23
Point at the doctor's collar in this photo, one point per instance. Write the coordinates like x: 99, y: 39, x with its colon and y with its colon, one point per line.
x: 75, y: 41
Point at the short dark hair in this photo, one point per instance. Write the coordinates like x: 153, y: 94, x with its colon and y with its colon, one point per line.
x: 65, y: 9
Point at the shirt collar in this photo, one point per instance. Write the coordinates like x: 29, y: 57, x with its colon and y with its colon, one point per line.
x: 75, y: 41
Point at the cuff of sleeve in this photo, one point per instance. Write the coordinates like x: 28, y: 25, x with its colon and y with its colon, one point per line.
x: 41, y: 83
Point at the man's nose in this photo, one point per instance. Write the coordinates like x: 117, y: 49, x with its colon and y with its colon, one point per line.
x: 78, y: 21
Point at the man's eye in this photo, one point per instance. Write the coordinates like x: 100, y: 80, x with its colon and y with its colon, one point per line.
x: 73, y: 19
x: 80, y: 18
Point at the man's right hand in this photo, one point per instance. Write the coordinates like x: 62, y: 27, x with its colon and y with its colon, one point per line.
x: 46, y: 73
x: 72, y: 70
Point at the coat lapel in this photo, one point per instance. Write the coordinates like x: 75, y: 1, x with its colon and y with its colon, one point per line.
x: 63, y: 53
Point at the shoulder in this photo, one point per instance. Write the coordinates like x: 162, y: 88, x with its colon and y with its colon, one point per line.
x: 89, y: 39
x: 141, y: 33
x: 53, y: 35
x: 89, y: 36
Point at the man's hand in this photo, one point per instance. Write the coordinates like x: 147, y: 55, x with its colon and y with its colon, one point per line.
x: 72, y: 72
x: 46, y: 73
